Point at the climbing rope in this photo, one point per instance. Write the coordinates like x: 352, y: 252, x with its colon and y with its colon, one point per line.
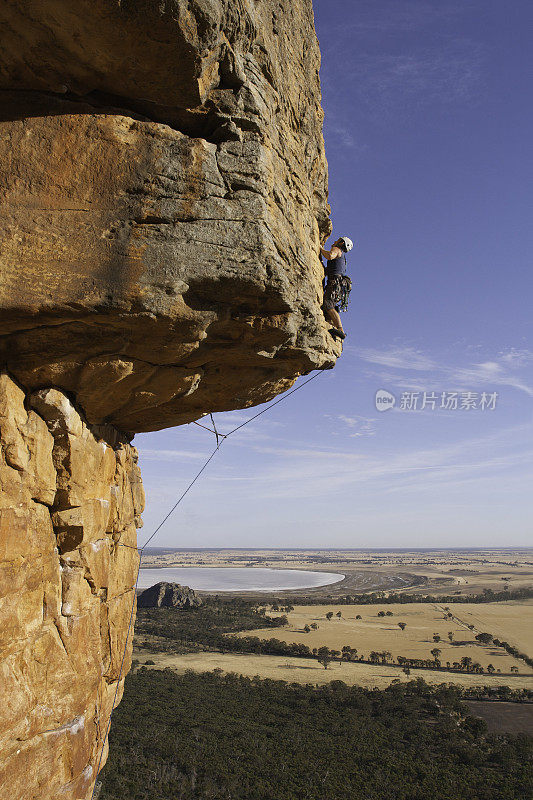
x: 220, y: 439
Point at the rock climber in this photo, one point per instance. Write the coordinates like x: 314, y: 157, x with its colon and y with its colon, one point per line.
x: 337, y: 283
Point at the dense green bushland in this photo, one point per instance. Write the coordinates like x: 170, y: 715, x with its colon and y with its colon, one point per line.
x: 208, y: 736
x: 205, y: 626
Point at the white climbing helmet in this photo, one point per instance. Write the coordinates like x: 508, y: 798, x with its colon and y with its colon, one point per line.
x: 348, y: 244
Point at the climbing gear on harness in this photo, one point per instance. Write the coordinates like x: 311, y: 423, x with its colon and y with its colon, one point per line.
x: 348, y: 244
x: 340, y: 292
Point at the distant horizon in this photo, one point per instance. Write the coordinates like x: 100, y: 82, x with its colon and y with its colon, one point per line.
x: 337, y: 549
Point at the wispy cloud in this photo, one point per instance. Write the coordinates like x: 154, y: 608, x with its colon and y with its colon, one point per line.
x: 446, y: 71
x: 357, y: 425
x: 501, y: 370
x: 391, y: 16
x: 489, y: 373
x: 300, y: 473
x: 345, y: 136
x: 399, y: 357
x: 393, y: 72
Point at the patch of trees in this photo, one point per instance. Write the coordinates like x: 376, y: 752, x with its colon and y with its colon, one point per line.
x: 378, y: 598
x: 227, y: 737
x: 180, y: 630
x: 513, y: 651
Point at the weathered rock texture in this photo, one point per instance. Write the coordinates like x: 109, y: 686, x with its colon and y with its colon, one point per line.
x: 165, y: 594
x: 70, y: 500
x: 165, y: 189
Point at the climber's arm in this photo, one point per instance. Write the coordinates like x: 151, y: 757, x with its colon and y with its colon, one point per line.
x: 329, y: 255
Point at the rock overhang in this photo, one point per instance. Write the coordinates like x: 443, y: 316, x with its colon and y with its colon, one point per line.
x: 160, y: 231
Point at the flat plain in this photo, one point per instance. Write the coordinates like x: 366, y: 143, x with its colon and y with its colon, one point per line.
x: 307, y: 670
x: 449, y: 627
x: 509, y: 621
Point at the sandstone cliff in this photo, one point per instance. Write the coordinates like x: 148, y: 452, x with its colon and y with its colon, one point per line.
x: 164, y: 188
x: 163, y: 191
x: 165, y: 594
x: 70, y: 502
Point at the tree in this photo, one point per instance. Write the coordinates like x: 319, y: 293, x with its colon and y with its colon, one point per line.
x: 466, y: 662
x: 307, y: 629
x: 348, y: 652
x: 324, y: 656
x: 436, y: 637
x: 374, y: 657
x: 436, y: 653
x: 359, y: 616
x: 381, y: 613
x: 339, y: 614
x: 389, y: 614
x: 490, y: 669
x: 402, y: 625
x: 329, y: 615
x: 514, y: 669
x: 450, y: 636
x: 406, y: 670
x: 484, y: 638
x: 314, y: 626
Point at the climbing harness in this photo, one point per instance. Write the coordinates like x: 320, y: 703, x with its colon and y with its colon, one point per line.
x: 340, y: 292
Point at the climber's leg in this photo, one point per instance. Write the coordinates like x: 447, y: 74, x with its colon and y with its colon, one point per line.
x: 333, y: 316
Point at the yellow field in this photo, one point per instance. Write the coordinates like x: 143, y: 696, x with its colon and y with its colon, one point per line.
x: 512, y: 621
x: 303, y: 670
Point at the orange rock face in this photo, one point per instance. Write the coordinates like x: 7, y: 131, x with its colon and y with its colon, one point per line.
x: 71, y: 498
x: 163, y: 193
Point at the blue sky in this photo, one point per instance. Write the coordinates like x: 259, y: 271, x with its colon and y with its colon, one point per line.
x: 428, y: 135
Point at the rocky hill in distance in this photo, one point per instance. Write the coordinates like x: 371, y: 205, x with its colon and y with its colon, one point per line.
x: 171, y: 595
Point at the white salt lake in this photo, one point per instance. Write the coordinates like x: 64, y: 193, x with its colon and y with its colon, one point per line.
x: 237, y: 579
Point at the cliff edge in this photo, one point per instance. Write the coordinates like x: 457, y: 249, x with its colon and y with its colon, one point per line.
x: 163, y: 193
